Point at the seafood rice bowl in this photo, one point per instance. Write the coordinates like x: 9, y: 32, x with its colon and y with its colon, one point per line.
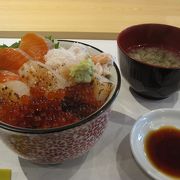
x: 54, y: 97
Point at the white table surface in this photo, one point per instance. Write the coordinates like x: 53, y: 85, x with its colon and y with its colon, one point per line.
x: 111, y: 157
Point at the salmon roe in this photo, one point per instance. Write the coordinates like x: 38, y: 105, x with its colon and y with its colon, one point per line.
x: 55, y: 109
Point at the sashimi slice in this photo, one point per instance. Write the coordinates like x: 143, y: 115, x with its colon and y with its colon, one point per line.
x: 102, y: 87
x: 11, y: 59
x: 35, y: 46
x: 37, y: 74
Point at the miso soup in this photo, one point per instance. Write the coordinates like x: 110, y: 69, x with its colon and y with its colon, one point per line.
x: 155, y: 56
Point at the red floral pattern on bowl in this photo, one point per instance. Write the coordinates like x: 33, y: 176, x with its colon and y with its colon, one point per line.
x: 57, y: 147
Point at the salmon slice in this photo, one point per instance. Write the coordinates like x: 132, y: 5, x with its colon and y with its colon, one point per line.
x: 11, y: 59
x: 35, y: 46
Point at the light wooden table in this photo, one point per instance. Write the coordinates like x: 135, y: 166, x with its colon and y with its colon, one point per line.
x: 83, y: 19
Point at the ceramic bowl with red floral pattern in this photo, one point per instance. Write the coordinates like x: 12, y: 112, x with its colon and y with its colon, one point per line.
x: 55, y: 145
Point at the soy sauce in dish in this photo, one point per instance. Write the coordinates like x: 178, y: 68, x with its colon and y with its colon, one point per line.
x: 162, y: 147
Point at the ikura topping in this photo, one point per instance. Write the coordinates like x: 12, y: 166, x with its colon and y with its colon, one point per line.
x: 43, y: 85
x: 55, y: 109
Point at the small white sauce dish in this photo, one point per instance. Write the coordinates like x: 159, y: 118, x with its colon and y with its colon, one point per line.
x: 146, y: 123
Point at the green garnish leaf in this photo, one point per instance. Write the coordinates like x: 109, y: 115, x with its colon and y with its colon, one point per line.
x: 55, y: 43
x: 50, y: 38
x: 14, y: 45
x: 3, y: 46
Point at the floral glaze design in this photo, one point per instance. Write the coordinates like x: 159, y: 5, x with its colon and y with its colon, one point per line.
x: 57, y: 147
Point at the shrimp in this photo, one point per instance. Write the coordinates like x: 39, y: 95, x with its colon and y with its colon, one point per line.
x: 103, y: 63
x: 102, y: 58
x: 11, y: 87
